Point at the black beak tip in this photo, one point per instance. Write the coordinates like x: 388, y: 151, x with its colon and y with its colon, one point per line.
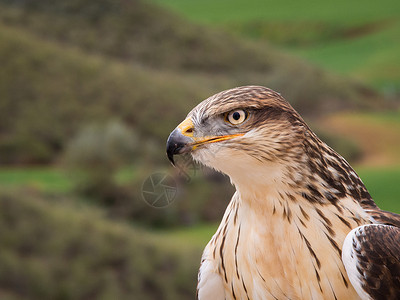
x: 177, y: 144
x: 170, y: 155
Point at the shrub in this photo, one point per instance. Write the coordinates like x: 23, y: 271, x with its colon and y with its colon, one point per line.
x: 96, y: 153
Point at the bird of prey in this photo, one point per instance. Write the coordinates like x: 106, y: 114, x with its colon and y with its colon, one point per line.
x: 301, y: 224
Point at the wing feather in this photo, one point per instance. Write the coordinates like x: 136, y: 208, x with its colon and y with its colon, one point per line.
x: 371, y: 256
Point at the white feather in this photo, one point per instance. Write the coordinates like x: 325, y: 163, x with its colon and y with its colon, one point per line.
x: 210, y: 285
x: 350, y: 260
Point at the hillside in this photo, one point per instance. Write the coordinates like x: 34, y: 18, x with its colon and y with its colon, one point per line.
x: 76, y: 63
x: 53, y: 251
x: 49, y: 92
x: 355, y: 38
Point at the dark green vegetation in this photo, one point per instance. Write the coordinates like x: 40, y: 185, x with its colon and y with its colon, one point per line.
x: 89, y: 91
x: 51, y: 251
x: 357, y: 38
x: 76, y: 63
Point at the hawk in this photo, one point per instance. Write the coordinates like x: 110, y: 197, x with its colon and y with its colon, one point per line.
x: 301, y: 224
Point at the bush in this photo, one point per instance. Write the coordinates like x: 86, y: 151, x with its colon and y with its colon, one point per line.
x: 96, y: 153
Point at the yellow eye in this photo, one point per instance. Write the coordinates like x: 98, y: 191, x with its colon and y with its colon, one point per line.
x: 236, y: 117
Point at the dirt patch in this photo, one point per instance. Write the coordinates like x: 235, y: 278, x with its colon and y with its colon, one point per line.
x: 304, y: 33
x: 364, y: 29
x: 378, y: 138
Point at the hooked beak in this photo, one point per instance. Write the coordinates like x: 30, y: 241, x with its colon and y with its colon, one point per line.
x: 181, y: 140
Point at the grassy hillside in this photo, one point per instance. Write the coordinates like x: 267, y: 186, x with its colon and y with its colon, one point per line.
x: 49, y: 91
x: 134, y: 31
x: 78, y: 63
x: 49, y: 250
x: 138, y: 31
x: 225, y: 11
x: 357, y: 38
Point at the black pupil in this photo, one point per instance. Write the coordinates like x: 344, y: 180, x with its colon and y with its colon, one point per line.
x: 236, y: 116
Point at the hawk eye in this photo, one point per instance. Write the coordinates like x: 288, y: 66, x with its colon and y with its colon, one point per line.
x: 236, y: 117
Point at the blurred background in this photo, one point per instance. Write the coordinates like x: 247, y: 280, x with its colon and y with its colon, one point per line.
x: 90, y: 90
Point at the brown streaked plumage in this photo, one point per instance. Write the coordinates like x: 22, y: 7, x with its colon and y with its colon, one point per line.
x: 301, y: 224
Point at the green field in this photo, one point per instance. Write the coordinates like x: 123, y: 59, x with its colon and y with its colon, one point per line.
x: 383, y: 185
x: 195, y: 235
x: 41, y: 178
x: 357, y: 38
x: 225, y: 11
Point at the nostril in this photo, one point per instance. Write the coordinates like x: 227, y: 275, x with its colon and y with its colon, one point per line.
x: 186, y: 127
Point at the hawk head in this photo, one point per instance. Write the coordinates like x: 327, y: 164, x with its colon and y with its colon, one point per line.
x: 241, y: 130
x: 291, y: 187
